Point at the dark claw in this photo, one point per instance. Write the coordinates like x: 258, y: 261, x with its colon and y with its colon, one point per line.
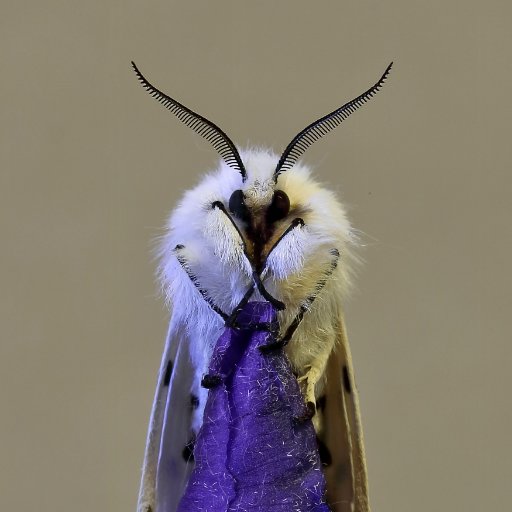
x: 210, y: 381
x: 311, y: 409
x: 271, y: 347
x: 308, y: 413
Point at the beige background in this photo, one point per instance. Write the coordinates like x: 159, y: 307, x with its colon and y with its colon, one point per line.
x: 90, y: 166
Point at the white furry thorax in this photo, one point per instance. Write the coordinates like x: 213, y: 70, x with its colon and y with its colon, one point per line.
x: 215, y: 256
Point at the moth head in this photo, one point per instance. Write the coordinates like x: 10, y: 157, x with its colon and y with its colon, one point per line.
x: 262, y: 193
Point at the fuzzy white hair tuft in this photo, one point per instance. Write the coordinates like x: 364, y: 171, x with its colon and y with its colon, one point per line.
x: 214, y: 253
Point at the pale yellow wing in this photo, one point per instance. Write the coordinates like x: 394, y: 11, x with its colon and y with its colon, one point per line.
x: 347, y: 482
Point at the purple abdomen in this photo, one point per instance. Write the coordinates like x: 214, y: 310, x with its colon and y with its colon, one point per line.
x: 251, y: 453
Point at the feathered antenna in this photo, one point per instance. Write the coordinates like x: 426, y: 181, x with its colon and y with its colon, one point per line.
x: 211, y: 132
x: 319, y: 128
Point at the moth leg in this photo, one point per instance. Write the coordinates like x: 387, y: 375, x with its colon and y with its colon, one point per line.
x: 186, y: 267
x: 304, y: 308
x: 310, y: 382
x: 211, y: 380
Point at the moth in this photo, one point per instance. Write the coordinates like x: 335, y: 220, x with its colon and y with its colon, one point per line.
x: 257, y: 229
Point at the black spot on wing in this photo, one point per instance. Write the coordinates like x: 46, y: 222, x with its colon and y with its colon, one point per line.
x: 188, y: 450
x: 346, y: 380
x: 320, y: 403
x: 168, y: 373
x: 323, y: 451
x: 194, y: 401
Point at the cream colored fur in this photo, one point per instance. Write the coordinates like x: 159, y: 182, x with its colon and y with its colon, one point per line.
x: 215, y: 255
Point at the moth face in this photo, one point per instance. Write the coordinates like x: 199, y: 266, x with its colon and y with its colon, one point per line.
x: 262, y: 214
x: 283, y: 229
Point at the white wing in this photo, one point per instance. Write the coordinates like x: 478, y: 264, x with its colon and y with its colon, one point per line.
x: 165, y: 472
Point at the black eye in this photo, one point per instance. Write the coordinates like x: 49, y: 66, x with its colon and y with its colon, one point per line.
x: 237, y: 205
x: 279, y: 208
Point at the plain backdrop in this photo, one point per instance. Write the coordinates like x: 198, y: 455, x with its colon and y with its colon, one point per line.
x: 90, y: 166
